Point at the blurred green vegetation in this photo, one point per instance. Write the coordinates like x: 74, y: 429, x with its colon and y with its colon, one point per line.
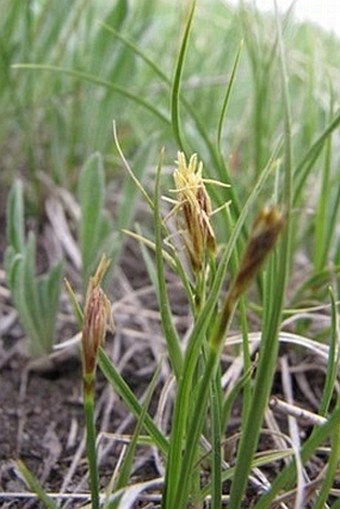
x: 52, y: 121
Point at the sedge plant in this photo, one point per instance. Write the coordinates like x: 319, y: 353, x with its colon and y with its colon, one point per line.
x: 201, y: 410
x: 36, y: 298
x: 200, y: 365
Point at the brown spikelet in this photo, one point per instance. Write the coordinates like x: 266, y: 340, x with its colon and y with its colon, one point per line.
x: 265, y: 232
x: 97, y: 316
x: 266, y: 229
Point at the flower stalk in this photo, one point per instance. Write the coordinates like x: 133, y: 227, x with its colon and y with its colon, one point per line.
x: 97, y: 318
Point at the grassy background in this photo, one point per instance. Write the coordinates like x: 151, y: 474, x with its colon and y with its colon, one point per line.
x: 54, y: 118
x: 97, y: 62
x: 52, y: 122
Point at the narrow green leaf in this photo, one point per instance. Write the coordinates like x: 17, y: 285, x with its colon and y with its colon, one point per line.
x: 304, y: 167
x: 91, y: 190
x: 30, y: 289
x: 175, y: 93
x: 143, y: 157
x: 47, y: 319
x: 333, y: 359
x: 15, y: 217
x: 137, y: 51
x: 287, y: 477
x: 16, y: 284
x: 97, y: 81
x: 332, y: 223
x: 35, y: 486
x: 54, y: 280
x: 322, y: 223
x: 331, y: 471
x: 232, y: 395
x: 49, y: 287
x: 12, y: 258
x: 262, y: 459
x: 124, y: 391
x: 115, y: 19
x: 78, y: 312
x: 170, y: 332
x: 181, y: 489
x: 227, y: 98
x: 126, y: 467
x: 134, y: 178
x: 216, y: 432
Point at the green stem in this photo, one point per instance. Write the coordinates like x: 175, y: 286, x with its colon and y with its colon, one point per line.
x: 194, y: 432
x: 196, y: 423
x: 216, y: 424
x: 247, y: 388
x: 88, y: 384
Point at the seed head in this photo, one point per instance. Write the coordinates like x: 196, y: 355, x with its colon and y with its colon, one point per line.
x: 97, y: 317
x: 265, y: 232
x: 266, y: 229
x: 195, y: 204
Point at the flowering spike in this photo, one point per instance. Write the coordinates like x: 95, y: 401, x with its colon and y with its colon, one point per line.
x: 265, y: 232
x: 97, y: 316
x: 195, y: 204
x: 266, y: 229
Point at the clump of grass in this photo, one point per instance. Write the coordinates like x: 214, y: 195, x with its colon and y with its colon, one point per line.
x: 36, y: 298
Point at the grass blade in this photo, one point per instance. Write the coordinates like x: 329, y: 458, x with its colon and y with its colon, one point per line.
x: 97, y: 81
x: 304, y: 167
x: 35, y: 486
x: 333, y: 359
x: 287, y: 476
x: 216, y: 422
x: 124, y: 391
x: 91, y: 190
x: 227, y: 98
x: 175, y: 93
x: 125, y: 469
x: 323, y: 227
x: 333, y: 363
x: 170, y: 332
x: 15, y: 218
